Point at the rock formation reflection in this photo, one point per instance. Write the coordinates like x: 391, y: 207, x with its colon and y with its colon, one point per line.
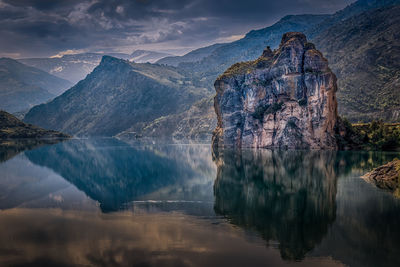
x: 287, y: 196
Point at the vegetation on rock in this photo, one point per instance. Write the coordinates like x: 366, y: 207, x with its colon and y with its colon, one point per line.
x: 263, y: 110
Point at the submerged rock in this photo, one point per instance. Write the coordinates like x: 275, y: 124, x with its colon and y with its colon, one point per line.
x: 284, y: 99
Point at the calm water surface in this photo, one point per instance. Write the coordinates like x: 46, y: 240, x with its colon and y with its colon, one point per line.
x: 104, y: 202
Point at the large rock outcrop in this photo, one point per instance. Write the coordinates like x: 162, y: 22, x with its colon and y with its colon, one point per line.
x: 284, y: 99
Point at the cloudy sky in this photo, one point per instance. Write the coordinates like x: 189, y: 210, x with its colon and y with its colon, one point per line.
x: 41, y: 28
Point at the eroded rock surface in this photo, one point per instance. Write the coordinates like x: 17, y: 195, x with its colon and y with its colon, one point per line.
x: 284, y: 99
x: 386, y: 176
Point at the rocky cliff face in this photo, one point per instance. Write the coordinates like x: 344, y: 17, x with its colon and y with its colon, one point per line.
x: 284, y: 99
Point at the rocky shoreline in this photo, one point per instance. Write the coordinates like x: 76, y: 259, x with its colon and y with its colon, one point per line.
x: 386, y: 177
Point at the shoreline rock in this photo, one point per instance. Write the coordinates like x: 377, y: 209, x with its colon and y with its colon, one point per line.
x: 386, y: 177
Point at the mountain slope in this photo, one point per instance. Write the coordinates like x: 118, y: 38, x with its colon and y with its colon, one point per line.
x: 13, y: 128
x: 196, y: 123
x: 118, y: 94
x: 364, y: 52
x: 193, y: 56
x: 22, y: 87
x: 351, y: 10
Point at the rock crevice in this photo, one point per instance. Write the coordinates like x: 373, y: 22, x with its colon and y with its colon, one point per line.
x: 284, y: 99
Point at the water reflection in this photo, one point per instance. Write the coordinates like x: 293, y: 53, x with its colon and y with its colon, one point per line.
x: 114, y: 173
x: 288, y: 196
x: 104, y: 202
x: 11, y: 148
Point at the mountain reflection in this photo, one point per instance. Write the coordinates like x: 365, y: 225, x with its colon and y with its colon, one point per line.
x: 114, y: 173
x: 11, y: 148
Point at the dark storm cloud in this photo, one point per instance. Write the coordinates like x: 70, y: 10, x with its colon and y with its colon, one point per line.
x: 46, y: 27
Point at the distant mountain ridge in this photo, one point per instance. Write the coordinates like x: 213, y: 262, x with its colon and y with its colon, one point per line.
x: 70, y: 67
x: 22, y: 86
x: 317, y: 24
x: 75, y: 67
x: 193, y: 56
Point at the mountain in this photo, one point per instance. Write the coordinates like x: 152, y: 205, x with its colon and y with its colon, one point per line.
x: 349, y: 39
x: 22, y: 87
x: 364, y: 52
x: 117, y: 95
x: 248, y: 48
x: 251, y: 46
x: 70, y: 67
x: 13, y: 128
x: 193, y: 56
x: 144, y: 56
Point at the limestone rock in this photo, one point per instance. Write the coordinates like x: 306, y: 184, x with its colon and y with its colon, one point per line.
x: 284, y: 99
x: 386, y: 176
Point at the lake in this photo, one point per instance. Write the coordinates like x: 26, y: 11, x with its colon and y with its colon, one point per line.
x: 104, y: 202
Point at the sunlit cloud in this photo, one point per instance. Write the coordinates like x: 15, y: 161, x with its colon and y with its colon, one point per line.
x: 229, y: 38
x: 68, y: 52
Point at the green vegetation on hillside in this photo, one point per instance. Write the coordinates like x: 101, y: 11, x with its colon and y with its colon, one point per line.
x: 13, y: 128
x: 364, y: 52
x: 375, y: 135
